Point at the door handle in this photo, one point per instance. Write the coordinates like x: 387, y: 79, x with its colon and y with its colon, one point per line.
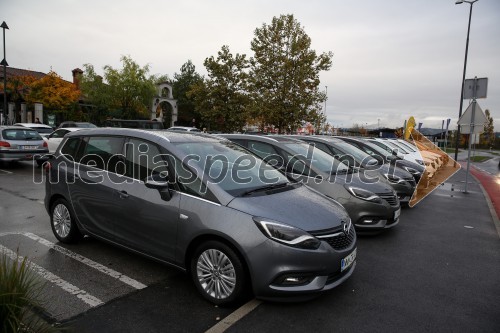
x: 123, y: 194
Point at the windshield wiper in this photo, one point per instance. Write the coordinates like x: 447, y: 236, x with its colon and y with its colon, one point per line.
x: 264, y: 188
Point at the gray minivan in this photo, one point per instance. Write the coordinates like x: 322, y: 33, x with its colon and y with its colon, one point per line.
x: 204, y: 205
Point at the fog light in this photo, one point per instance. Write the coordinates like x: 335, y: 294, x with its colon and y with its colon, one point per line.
x: 293, y: 280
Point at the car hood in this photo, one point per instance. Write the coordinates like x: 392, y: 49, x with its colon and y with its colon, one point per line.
x: 354, y: 180
x: 300, y: 207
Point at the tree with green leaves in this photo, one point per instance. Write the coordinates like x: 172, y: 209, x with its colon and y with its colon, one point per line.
x: 221, y: 99
x: 131, y: 89
x: 489, y: 130
x: 95, y: 93
x: 284, y: 77
x: 183, y: 82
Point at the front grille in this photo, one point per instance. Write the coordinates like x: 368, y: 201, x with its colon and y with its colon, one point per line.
x: 389, y: 197
x: 411, y: 181
x: 336, y: 238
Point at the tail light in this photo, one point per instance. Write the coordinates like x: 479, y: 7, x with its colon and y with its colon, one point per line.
x: 45, y: 144
x: 4, y: 144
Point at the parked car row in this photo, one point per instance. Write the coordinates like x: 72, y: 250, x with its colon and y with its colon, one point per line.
x: 274, y: 215
x: 210, y: 207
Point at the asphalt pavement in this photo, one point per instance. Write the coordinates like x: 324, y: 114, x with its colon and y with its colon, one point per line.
x: 438, y: 271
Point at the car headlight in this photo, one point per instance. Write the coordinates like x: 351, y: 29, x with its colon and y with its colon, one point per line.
x: 411, y: 170
x: 363, y: 194
x: 286, y: 234
x: 393, y: 178
x: 419, y: 162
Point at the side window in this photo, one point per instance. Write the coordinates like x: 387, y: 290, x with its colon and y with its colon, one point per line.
x: 267, y: 152
x: 242, y: 143
x: 323, y: 147
x: 70, y: 147
x: 104, y: 153
x: 188, y: 182
x: 144, y: 159
x: 58, y: 134
x: 294, y: 165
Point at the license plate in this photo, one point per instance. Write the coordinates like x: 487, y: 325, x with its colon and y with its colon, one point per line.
x: 397, y: 213
x: 28, y: 147
x: 347, y: 261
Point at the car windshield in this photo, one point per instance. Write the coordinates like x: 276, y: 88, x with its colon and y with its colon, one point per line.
x: 358, y: 154
x: 85, y: 125
x: 20, y: 134
x: 394, y: 145
x: 230, y: 166
x: 317, y: 158
x: 407, y: 146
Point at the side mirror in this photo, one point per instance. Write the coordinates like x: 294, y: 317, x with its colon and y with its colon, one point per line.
x: 160, y: 183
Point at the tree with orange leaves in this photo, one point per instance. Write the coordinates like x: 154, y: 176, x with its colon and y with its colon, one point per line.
x: 18, y: 88
x: 53, y: 92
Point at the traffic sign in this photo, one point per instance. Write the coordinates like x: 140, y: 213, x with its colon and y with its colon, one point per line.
x: 478, y: 122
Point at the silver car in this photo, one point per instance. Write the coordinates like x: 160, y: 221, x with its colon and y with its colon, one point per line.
x: 21, y: 144
x: 204, y: 205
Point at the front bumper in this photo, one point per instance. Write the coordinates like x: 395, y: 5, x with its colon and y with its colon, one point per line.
x: 270, y: 262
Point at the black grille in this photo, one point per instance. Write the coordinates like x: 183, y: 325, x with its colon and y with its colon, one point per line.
x: 389, y: 197
x: 411, y: 181
x: 336, y: 238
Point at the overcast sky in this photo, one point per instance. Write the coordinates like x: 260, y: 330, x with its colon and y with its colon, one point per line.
x: 392, y: 58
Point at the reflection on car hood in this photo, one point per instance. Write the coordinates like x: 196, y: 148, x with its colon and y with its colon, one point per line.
x: 300, y: 207
x: 354, y: 180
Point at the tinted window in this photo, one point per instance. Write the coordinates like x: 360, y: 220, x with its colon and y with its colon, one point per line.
x: 104, y: 153
x: 144, y: 159
x: 70, y: 147
x: 59, y: 133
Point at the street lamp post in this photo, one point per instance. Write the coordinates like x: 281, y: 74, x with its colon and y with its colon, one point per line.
x: 4, y: 64
x: 458, y: 2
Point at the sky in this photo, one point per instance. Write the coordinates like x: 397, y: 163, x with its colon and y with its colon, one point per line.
x: 392, y: 58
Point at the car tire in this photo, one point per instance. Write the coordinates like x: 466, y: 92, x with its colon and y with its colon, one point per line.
x: 218, y: 273
x: 62, y: 221
x: 39, y: 163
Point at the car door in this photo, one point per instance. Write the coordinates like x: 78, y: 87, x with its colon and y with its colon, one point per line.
x: 145, y: 221
x: 54, y: 139
x: 93, y: 190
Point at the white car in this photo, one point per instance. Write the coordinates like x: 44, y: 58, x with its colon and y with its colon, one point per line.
x: 400, y: 150
x: 55, y: 138
x: 42, y: 129
x: 183, y: 129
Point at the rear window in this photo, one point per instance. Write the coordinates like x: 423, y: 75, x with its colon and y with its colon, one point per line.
x: 20, y: 134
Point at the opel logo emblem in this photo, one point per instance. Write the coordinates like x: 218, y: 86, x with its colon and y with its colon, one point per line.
x: 345, y: 227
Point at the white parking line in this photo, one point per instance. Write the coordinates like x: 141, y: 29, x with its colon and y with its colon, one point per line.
x: 89, y: 262
x: 51, y: 277
x: 6, y: 172
x: 230, y: 320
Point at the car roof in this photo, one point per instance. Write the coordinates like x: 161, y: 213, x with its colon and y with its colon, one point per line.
x: 71, y: 129
x: 149, y: 134
x: 326, y: 139
x: 32, y: 125
x: 263, y: 138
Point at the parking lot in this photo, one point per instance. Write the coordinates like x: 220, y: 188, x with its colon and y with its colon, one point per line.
x: 438, y: 270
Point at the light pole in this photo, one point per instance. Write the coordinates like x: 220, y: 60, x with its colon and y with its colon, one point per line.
x: 458, y: 2
x: 4, y: 64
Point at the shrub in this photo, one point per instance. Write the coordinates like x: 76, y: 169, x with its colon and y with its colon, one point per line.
x: 20, y: 290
